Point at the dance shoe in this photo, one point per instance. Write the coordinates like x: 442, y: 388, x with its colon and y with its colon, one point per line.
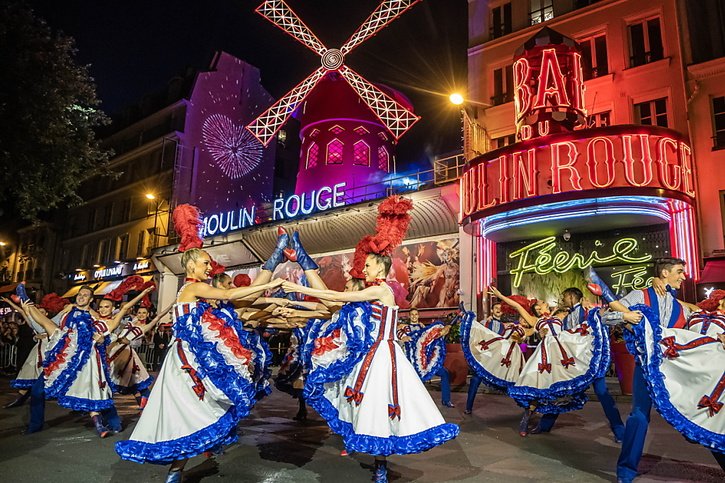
x: 524, y: 424
x: 173, y: 477
x: 448, y: 404
x: 344, y: 453
x: 101, y: 429
x: 468, y: 411
x: 21, y: 293
x: 305, y: 261
x: 537, y: 430
x: 18, y: 402
x: 278, y: 255
x: 381, y: 472
x: 142, y: 403
x: 597, y: 286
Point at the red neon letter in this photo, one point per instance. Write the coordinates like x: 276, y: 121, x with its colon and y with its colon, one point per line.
x: 525, y: 174
x: 522, y: 91
x: 557, y: 167
x: 504, y: 179
x: 669, y: 173
x: 577, y: 86
x: 645, y: 159
x: 482, y: 202
x: 688, y: 181
x: 551, y: 82
x: 593, y: 163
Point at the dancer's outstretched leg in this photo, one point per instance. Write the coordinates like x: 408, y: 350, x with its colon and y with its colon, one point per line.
x: 381, y: 469
x: 277, y: 257
x: 174, y: 474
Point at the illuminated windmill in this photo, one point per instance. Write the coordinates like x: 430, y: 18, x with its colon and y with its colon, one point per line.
x: 394, y: 115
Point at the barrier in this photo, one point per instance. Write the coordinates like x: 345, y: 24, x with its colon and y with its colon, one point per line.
x: 8, y: 357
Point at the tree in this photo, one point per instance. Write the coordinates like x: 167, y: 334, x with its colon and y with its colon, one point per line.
x: 48, y: 113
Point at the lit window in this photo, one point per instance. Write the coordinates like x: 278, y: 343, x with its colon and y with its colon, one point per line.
x: 718, y: 111
x: 334, y: 152
x: 645, y: 42
x: 383, y: 136
x: 336, y: 129
x: 361, y: 154
x: 599, y: 119
x: 541, y: 11
x: 594, y: 56
x: 312, y: 153
x: 652, y: 113
x: 314, y: 133
x: 503, y: 141
x: 360, y: 131
x: 383, y: 159
x: 503, y: 85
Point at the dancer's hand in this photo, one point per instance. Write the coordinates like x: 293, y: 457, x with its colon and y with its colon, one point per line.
x: 543, y: 332
x: 632, y: 317
x: 492, y: 290
x: 659, y: 286
x: 291, y: 287
x: 98, y: 338
x: 277, y: 282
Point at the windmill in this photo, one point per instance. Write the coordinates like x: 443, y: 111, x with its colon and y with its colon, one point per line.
x: 396, y: 117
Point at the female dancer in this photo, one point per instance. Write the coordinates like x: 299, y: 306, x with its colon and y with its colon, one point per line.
x: 32, y: 367
x: 564, y: 365
x: 206, y: 384
x: 359, y: 379
x: 127, y: 371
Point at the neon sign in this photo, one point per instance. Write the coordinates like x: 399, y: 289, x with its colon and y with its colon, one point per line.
x: 606, y: 158
x: 538, y: 258
x: 108, y: 272
x: 634, y: 278
x: 322, y: 199
x: 141, y: 265
x: 79, y: 276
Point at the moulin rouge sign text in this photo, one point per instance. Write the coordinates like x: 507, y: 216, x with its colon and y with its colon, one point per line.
x: 609, y: 157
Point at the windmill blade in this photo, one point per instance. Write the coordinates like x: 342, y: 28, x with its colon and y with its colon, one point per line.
x: 386, y: 12
x: 396, y: 117
x: 280, y: 14
x: 268, y: 123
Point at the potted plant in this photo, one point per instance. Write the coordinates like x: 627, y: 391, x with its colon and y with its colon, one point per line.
x: 623, y: 360
x: 455, y: 361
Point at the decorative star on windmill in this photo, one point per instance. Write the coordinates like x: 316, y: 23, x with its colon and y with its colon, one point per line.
x: 396, y: 117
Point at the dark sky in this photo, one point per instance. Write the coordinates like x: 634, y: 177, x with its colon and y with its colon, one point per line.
x: 134, y: 47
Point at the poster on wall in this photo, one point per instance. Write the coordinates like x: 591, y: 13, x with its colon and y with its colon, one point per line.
x: 423, y: 274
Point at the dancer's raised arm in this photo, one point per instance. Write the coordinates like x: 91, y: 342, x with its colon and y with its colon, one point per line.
x: 203, y: 290
x: 116, y: 320
x: 376, y: 292
x: 525, y: 314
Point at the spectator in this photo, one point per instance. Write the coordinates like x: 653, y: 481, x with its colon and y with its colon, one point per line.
x: 162, y: 339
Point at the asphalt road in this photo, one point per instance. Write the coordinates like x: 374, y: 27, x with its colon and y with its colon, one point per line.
x: 274, y: 448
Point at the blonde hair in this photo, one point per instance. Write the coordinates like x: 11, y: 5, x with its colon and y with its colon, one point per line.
x: 191, y: 255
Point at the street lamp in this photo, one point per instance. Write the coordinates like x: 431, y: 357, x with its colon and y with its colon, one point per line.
x: 475, y: 137
x: 158, y: 202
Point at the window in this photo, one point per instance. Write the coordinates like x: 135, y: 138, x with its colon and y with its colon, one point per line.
x: 383, y: 136
x: 599, y: 119
x: 85, y: 254
x: 645, y: 42
x: 91, y: 219
x: 383, y: 159
x: 126, y: 210
x: 503, y: 141
x: 336, y: 129
x: 314, y: 133
x: 313, y: 153
x: 122, y: 247
x: 102, y: 254
x: 142, y: 242
x: 718, y: 110
x: 360, y: 131
x: 541, y: 11
x: 652, y: 113
x: 503, y: 85
x: 361, y: 154
x: 501, y: 20
x: 334, y: 152
x: 107, y: 215
x: 594, y: 57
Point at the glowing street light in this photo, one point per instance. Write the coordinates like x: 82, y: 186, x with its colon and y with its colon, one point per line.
x: 150, y: 196
x: 456, y: 99
x: 3, y: 244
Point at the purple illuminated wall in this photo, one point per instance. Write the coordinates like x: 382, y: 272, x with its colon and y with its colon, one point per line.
x: 222, y: 167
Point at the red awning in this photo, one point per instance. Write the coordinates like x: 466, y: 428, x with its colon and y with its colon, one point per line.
x: 8, y: 288
x: 714, y: 272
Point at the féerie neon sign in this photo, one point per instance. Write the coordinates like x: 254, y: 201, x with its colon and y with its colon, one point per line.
x: 538, y: 258
x: 634, y: 278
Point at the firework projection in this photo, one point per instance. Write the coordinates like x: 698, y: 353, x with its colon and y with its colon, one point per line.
x: 423, y: 274
x: 234, y: 149
x: 225, y: 167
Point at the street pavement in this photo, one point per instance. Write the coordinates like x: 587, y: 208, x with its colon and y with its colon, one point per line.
x: 274, y: 448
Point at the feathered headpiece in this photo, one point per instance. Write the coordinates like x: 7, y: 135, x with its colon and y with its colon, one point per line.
x: 242, y: 280
x: 53, y: 303
x: 134, y: 282
x: 390, y: 228
x: 187, y: 221
x: 528, y: 304
x: 216, y: 268
x: 146, y: 300
x: 710, y: 304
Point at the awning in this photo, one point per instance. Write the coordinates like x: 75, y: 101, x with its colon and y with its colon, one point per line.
x: 714, y: 272
x: 8, y: 288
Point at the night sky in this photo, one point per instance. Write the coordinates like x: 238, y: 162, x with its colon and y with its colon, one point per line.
x: 134, y: 47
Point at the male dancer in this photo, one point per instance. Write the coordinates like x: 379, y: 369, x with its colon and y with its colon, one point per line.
x: 672, y: 313
x: 572, y: 299
x: 493, y: 322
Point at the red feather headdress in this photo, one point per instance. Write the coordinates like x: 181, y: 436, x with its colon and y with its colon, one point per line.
x: 528, y: 304
x: 390, y: 228
x: 242, y: 280
x: 53, y: 303
x: 187, y: 221
x: 710, y: 304
x: 134, y: 282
